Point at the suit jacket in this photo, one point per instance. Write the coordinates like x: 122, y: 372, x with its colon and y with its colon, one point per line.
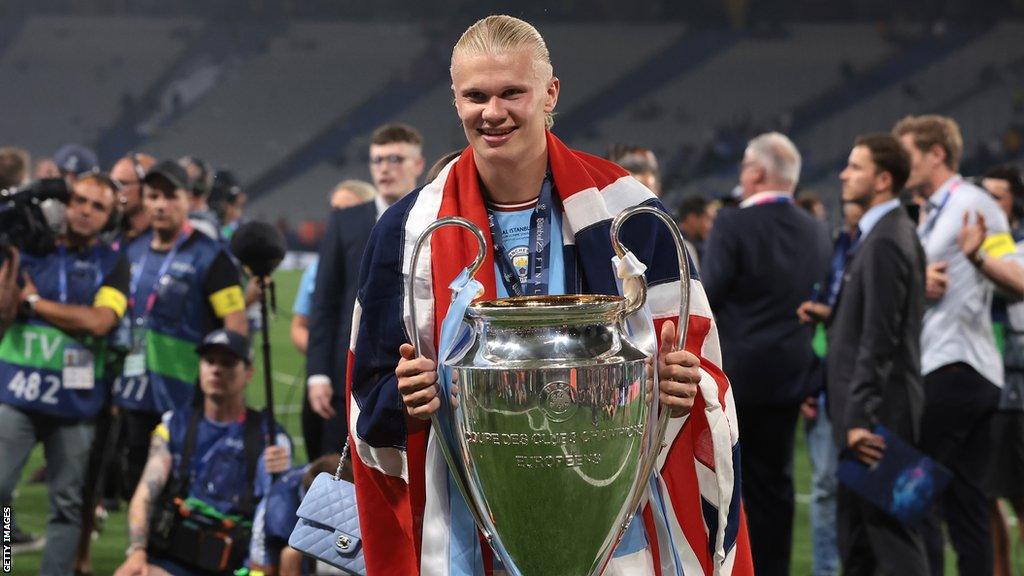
x: 874, y: 357
x: 760, y: 263
x: 337, y: 280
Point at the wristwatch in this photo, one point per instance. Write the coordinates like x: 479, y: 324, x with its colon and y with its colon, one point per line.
x: 978, y: 259
x: 133, y: 548
x: 29, y: 304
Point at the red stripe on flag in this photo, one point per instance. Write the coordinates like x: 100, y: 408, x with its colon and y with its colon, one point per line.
x: 696, y: 331
x: 652, y: 538
x: 416, y: 458
x: 744, y: 564
x: 388, y: 543
x: 391, y: 544
x: 680, y: 476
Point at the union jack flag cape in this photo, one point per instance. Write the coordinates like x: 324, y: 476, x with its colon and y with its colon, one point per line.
x: 693, y: 519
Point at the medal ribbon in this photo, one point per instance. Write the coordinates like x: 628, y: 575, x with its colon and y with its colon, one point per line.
x: 539, y: 247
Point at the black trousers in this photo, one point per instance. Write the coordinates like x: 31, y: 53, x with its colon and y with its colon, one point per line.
x: 872, y: 542
x: 956, y: 431
x: 324, y: 436
x: 767, y: 435
x: 136, y: 430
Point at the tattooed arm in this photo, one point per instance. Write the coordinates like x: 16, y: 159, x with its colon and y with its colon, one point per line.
x: 154, y: 477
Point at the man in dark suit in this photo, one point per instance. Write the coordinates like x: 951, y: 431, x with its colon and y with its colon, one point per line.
x: 874, y: 360
x: 396, y: 161
x: 760, y: 262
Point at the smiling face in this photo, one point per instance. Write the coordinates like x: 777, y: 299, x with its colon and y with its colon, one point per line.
x: 503, y: 101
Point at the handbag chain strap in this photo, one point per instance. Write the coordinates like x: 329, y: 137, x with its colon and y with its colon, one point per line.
x: 341, y: 462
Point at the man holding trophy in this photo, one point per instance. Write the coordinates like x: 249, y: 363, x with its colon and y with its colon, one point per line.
x: 545, y: 214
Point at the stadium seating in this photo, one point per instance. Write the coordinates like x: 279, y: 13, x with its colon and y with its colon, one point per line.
x: 65, y: 78
x: 582, y: 72
x: 309, y: 75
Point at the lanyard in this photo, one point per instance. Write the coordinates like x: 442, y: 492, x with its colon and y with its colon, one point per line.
x: 933, y: 216
x: 771, y: 199
x: 137, y: 276
x: 539, y: 247
x: 62, y: 272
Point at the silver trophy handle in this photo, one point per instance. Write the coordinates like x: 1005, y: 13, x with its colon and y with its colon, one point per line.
x: 684, y: 265
x: 424, y: 236
x: 640, y: 299
x: 456, y: 471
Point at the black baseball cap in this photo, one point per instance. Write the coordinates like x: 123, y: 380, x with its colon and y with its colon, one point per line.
x: 229, y: 340
x: 225, y: 188
x: 170, y: 171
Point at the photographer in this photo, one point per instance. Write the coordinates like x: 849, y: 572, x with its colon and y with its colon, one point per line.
x: 203, y: 466
x: 9, y: 290
x: 52, y: 358
x: 183, y: 285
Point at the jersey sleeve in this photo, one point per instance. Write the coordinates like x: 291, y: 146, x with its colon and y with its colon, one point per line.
x: 113, y: 292
x: 222, y: 286
x: 998, y: 240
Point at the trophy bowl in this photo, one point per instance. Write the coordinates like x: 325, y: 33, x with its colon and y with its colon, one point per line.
x: 554, y: 404
x: 549, y: 419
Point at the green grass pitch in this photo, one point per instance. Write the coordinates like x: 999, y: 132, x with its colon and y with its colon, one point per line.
x: 108, y: 550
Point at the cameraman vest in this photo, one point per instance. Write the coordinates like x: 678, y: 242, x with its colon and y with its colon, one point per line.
x: 217, y: 467
x: 38, y: 360
x: 180, y: 314
x: 224, y: 477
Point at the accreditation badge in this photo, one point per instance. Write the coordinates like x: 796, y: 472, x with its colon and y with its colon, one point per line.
x: 79, y: 371
x: 135, y: 361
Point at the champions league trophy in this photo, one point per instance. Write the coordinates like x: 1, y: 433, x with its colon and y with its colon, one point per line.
x: 550, y: 419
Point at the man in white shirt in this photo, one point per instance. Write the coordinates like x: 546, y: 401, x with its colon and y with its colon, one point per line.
x: 961, y: 366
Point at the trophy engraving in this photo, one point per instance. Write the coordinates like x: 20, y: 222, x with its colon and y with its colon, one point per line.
x: 559, y: 405
x: 556, y: 427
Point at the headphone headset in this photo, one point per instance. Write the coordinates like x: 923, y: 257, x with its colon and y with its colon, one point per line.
x: 117, y: 214
x: 204, y: 181
x: 114, y: 218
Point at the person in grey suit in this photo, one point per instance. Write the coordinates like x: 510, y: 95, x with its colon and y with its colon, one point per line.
x: 874, y: 359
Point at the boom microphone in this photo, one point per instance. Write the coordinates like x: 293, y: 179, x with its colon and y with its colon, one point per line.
x: 259, y: 246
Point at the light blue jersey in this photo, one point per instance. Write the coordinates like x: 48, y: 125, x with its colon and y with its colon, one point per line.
x: 515, y: 237
x: 304, y: 297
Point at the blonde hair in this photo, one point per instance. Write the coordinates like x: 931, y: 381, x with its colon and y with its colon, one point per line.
x: 501, y: 34
x: 934, y: 130
x: 363, y: 190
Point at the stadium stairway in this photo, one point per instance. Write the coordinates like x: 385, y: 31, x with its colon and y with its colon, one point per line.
x: 9, y: 30
x: 922, y: 53
x: 218, y: 44
x: 686, y: 53
x: 378, y: 108
x: 919, y: 55
x: 821, y: 175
